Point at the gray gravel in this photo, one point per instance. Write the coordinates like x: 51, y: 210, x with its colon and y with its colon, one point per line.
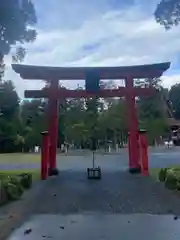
x: 117, y: 192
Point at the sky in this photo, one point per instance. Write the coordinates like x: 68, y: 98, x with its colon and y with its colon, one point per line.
x: 99, y: 33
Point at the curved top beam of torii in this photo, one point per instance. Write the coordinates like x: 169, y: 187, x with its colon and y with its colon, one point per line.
x: 74, y: 73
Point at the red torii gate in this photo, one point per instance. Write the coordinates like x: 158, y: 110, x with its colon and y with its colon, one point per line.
x: 54, y: 74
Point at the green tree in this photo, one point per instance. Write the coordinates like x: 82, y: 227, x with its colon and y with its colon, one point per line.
x: 152, y: 116
x: 34, y: 121
x: 113, y: 122
x: 9, y: 117
x: 174, y: 98
x: 79, y: 133
x: 168, y: 13
x: 150, y: 107
x: 16, y: 20
x: 155, y: 128
x: 92, y: 115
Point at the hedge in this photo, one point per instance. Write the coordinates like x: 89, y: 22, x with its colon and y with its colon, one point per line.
x: 12, y: 187
x: 170, y: 177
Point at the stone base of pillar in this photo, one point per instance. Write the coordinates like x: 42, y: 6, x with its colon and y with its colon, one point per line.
x: 53, y: 172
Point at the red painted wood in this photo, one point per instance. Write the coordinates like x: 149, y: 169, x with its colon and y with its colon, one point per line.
x: 132, y: 124
x: 44, y: 155
x: 73, y: 73
x: 130, y: 151
x: 143, y: 154
x: 63, y: 93
x: 53, y: 123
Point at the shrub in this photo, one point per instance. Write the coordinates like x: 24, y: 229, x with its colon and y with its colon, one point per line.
x: 162, y: 174
x: 25, y: 180
x: 16, y: 181
x: 12, y: 190
x: 172, y: 180
x: 3, y: 194
x: 12, y: 187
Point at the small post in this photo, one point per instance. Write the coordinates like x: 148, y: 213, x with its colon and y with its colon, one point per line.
x: 44, y: 155
x: 132, y: 125
x: 134, y: 167
x: 53, y: 125
x: 93, y: 159
x: 143, y: 152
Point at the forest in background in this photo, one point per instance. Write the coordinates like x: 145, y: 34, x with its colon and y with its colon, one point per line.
x: 21, y: 122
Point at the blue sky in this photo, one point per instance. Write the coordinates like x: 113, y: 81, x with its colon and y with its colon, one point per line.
x: 99, y: 33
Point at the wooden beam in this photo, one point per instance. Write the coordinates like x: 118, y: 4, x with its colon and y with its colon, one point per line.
x: 79, y: 73
x: 64, y: 93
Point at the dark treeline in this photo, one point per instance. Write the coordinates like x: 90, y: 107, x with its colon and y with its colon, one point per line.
x: 79, y: 119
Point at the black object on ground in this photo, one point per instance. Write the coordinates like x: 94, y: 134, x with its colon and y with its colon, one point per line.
x: 94, y: 172
x: 53, y: 172
x: 27, y: 231
x: 135, y: 170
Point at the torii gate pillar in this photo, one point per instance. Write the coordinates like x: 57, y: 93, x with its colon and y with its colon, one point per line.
x: 53, y: 123
x: 132, y: 126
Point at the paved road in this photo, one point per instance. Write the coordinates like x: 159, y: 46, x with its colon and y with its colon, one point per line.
x: 157, y: 158
x: 119, y: 206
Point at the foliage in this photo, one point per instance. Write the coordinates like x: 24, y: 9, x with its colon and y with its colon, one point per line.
x: 33, y: 122
x: 79, y: 119
x: 170, y: 176
x: 155, y: 128
x: 151, y: 114
x: 162, y: 174
x: 174, y: 99
x: 12, y: 191
x: 16, y: 17
x: 168, y: 13
x: 15, y: 180
x: 9, y: 116
x: 172, y: 180
x: 25, y: 180
x: 20, y: 123
x: 13, y: 186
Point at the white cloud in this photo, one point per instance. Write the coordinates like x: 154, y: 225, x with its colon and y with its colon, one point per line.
x: 168, y: 81
x: 119, y: 37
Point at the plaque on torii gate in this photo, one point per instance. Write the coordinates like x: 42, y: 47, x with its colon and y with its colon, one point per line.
x: 128, y: 73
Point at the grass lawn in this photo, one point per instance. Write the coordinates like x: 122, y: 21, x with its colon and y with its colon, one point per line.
x: 154, y: 173
x: 19, y: 158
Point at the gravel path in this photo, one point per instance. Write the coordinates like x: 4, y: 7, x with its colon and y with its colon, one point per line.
x: 117, y: 192
x: 72, y: 193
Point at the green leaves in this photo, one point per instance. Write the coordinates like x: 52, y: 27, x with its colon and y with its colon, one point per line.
x: 79, y: 119
x: 16, y: 21
x: 174, y: 98
x: 168, y: 13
